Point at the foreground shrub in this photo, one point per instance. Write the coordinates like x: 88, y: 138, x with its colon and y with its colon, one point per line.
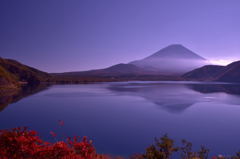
x: 164, y: 148
x: 21, y: 143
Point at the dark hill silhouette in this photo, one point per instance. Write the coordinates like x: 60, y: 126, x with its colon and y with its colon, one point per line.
x: 14, y: 71
x: 229, y: 73
x: 172, y: 60
x: 205, y: 73
x: 7, y: 79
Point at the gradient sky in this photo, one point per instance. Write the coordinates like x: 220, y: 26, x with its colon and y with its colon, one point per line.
x: 71, y: 35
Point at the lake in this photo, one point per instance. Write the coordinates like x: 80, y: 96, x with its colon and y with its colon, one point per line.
x: 122, y: 118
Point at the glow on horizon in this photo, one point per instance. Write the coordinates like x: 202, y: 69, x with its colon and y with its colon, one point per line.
x: 222, y: 62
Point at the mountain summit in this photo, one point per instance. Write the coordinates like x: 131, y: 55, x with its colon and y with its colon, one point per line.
x: 172, y: 60
x: 175, y: 51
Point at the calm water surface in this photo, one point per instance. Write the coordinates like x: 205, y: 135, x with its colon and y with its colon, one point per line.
x: 123, y: 118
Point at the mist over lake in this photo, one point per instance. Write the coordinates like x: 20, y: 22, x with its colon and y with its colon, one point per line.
x: 123, y: 118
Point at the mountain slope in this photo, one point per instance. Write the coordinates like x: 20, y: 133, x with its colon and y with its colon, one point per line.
x: 13, y: 71
x: 229, y: 73
x: 175, y: 51
x: 172, y: 60
x: 204, y: 73
x: 7, y: 80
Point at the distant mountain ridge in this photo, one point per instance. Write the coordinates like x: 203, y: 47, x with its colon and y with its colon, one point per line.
x: 170, y: 63
x: 115, y: 70
x: 172, y: 60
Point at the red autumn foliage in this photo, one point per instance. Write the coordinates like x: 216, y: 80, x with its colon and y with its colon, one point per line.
x: 21, y: 143
x: 53, y: 134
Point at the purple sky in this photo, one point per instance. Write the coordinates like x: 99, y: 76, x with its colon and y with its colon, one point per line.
x: 71, y: 35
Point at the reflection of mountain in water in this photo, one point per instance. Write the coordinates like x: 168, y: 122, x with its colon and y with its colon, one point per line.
x: 216, y: 88
x: 221, y: 93
x: 178, y: 97
x: 171, y: 97
x: 8, y: 97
